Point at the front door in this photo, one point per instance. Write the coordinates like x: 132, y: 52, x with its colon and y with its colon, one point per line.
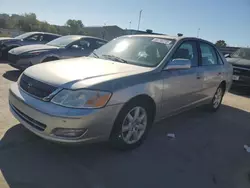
x: 182, y: 87
x: 212, y: 68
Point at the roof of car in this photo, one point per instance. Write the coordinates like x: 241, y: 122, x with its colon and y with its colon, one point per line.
x: 85, y: 36
x: 38, y: 32
x: 169, y: 37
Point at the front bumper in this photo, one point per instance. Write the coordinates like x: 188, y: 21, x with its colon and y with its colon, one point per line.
x: 20, y: 63
x: 42, y: 118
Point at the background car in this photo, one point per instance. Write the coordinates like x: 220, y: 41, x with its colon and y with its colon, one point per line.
x: 60, y: 48
x: 7, y: 43
x: 241, y: 67
x: 120, y: 90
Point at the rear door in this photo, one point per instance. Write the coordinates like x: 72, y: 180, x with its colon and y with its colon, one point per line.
x: 212, y: 69
x: 182, y: 88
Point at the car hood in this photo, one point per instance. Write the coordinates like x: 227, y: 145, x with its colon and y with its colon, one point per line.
x: 29, y: 48
x: 67, y: 72
x: 239, y: 62
x: 5, y: 38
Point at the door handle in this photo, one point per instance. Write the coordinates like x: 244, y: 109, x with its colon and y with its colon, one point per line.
x: 219, y: 73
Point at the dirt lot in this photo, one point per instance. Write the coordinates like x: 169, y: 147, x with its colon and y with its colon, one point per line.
x: 207, y: 152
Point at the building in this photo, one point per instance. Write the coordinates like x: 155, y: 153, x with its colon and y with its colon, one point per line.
x: 113, y: 31
x: 104, y: 32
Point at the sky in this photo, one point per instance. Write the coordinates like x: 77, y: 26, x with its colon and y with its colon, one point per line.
x: 227, y: 20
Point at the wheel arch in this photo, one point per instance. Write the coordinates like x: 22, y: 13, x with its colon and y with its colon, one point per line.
x: 224, y: 85
x: 141, y: 97
x: 50, y: 57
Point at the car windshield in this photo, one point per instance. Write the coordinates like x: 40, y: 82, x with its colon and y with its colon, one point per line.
x: 23, y: 36
x: 243, y: 53
x: 63, y: 41
x: 143, y: 51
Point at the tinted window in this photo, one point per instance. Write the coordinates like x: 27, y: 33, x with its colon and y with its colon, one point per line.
x: 187, y: 50
x: 220, y: 61
x: 64, y: 41
x: 208, y: 55
x: 36, y: 37
x: 48, y: 38
x: 99, y: 43
x: 94, y: 43
x: 23, y: 36
x: 84, y: 44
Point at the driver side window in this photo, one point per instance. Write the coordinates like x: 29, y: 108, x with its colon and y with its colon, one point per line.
x: 81, y: 44
x: 33, y: 38
x: 187, y: 50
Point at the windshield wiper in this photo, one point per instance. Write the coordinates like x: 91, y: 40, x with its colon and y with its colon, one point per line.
x: 112, y: 57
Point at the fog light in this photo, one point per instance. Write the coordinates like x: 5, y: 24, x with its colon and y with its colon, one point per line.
x: 68, y: 133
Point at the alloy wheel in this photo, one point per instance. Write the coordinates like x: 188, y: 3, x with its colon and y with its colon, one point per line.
x: 134, y: 125
x: 217, y: 98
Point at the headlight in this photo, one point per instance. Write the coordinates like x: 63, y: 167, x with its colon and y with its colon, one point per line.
x: 82, y: 98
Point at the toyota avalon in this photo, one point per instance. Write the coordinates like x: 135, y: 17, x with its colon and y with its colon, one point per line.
x: 120, y: 90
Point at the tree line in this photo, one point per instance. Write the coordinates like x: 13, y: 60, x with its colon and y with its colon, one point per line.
x: 28, y: 22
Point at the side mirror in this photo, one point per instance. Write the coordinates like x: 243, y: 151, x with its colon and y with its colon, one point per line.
x: 177, y: 64
x: 227, y: 55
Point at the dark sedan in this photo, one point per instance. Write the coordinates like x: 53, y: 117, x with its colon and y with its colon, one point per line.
x: 241, y: 67
x: 7, y: 43
x: 60, y: 48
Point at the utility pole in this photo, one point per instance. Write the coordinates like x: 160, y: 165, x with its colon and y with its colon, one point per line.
x: 129, y: 25
x: 198, y: 32
x: 139, y: 20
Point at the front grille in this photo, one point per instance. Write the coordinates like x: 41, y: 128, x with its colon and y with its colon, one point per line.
x: 13, y: 58
x: 36, y: 124
x: 35, y: 87
x: 241, y: 71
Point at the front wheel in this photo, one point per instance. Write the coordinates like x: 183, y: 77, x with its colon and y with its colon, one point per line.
x: 131, y: 126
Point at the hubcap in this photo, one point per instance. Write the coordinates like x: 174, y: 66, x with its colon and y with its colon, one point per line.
x: 217, y: 98
x: 134, y: 125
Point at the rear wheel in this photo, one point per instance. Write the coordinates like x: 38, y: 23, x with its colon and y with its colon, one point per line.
x: 131, y: 126
x: 217, y: 99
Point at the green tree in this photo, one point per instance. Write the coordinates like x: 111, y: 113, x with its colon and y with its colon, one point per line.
x: 28, y: 22
x: 75, y: 26
x: 221, y: 43
x: 149, y: 31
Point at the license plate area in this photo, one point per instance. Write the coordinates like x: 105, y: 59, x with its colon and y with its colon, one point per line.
x: 236, y: 77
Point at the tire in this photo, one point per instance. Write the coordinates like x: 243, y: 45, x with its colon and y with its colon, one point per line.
x: 217, y: 99
x: 119, y: 133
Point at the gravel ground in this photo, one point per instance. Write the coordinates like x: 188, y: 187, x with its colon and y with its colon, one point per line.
x: 207, y: 152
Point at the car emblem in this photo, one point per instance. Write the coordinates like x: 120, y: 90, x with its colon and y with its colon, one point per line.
x: 29, y: 85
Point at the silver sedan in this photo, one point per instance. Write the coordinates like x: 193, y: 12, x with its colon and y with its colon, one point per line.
x: 120, y: 90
